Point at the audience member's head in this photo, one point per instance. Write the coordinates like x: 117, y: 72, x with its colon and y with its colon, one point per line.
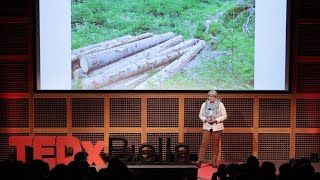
x: 268, y: 170
x: 117, y: 169
x: 59, y: 172
x: 252, y: 163
x: 38, y: 169
x: 285, y: 172
x: 115, y: 164
x: 102, y: 174
x: 304, y: 169
x: 13, y: 169
x: 232, y: 169
x: 77, y: 169
x: 221, y: 173
x: 80, y: 156
x: 221, y: 169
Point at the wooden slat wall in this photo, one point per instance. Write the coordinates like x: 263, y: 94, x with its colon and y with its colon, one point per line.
x: 287, y: 123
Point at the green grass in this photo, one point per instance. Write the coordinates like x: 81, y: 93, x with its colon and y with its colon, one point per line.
x: 94, y: 21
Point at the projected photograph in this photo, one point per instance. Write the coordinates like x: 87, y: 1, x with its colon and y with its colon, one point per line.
x: 163, y: 44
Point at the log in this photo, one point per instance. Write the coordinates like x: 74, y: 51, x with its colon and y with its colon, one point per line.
x: 140, y: 66
x: 75, y: 54
x: 128, y: 60
x: 180, y: 46
x: 174, y: 67
x: 133, y: 39
x: 98, y: 59
x: 161, y: 47
x: 75, y: 65
x: 127, y: 84
x: 74, y: 58
x: 174, y: 44
x: 78, y: 74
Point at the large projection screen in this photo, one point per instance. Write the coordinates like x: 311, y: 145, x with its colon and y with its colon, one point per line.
x: 167, y: 45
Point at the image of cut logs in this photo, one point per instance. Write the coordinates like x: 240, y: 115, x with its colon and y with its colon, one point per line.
x: 132, y: 62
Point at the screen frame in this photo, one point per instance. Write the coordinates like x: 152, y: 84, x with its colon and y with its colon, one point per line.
x: 288, y: 60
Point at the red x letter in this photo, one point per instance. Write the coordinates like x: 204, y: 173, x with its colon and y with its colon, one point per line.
x: 94, y: 152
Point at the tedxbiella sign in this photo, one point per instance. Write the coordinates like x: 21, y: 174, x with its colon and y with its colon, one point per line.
x: 53, y: 149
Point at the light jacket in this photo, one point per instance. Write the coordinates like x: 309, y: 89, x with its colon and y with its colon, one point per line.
x: 222, y: 115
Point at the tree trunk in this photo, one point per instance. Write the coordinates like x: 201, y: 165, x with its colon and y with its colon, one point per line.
x: 99, y: 59
x: 143, y: 54
x: 107, y: 45
x: 178, y: 47
x: 75, y: 54
x: 137, y: 67
x: 130, y: 40
x: 159, y: 48
x: 174, y: 67
x: 127, y: 84
x: 78, y: 74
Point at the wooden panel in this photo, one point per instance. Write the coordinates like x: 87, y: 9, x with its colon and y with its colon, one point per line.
x: 273, y: 146
x: 308, y: 77
x: 239, y: 111
x: 50, y: 112
x: 14, y: 39
x: 307, y: 8
x: 191, y: 112
x: 14, y: 76
x: 14, y: 113
x: 236, y: 146
x: 308, y: 113
x: 50, y: 134
x: 88, y: 112
x: 5, y: 150
x: 50, y: 131
x: 306, y: 144
x: 162, y: 112
x: 308, y: 42
x: 125, y: 112
x: 194, y: 142
x: 274, y: 113
x: 14, y: 8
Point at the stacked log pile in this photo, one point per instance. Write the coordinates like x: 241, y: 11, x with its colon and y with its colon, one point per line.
x: 125, y: 62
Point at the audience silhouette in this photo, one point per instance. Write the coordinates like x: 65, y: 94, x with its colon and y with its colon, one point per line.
x: 294, y: 169
x: 79, y: 168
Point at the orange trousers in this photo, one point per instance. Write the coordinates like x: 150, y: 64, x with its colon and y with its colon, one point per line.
x: 206, y: 136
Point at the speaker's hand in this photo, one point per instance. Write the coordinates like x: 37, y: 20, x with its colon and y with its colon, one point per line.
x: 213, y: 121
